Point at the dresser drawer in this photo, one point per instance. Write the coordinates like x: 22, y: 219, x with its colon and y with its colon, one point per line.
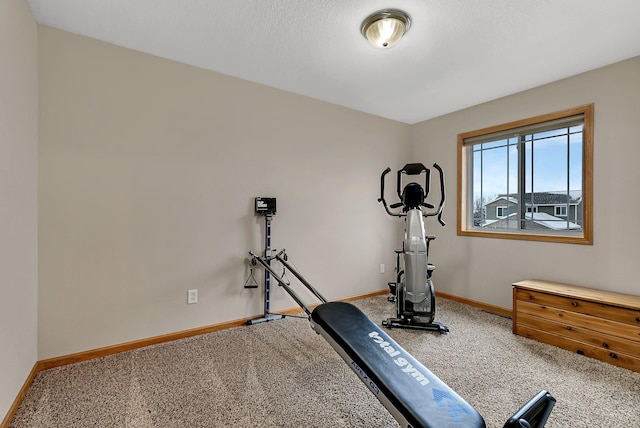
x: 601, y: 310
x: 577, y: 319
x: 619, y: 359
x: 605, y: 341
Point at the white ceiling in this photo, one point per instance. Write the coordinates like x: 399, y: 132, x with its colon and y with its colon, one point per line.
x: 458, y: 53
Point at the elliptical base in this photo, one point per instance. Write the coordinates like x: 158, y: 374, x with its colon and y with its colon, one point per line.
x: 404, y: 323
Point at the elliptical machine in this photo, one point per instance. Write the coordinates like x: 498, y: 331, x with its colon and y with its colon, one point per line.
x: 413, y: 290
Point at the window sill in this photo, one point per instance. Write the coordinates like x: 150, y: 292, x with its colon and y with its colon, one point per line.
x: 566, y: 238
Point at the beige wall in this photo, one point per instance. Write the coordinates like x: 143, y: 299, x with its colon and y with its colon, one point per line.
x: 18, y: 197
x: 483, y: 268
x: 148, y: 170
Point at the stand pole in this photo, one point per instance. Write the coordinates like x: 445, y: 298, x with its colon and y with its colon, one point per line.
x: 267, y: 316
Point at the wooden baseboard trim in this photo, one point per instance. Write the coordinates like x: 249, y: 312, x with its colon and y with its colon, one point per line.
x: 16, y: 403
x: 297, y: 310
x: 136, y: 344
x: 366, y: 295
x: 489, y: 308
x: 128, y: 346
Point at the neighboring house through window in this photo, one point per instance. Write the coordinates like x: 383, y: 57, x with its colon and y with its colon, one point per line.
x: 529, y: 179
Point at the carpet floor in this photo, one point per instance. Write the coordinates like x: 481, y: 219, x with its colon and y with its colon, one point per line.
x: 282, y: 374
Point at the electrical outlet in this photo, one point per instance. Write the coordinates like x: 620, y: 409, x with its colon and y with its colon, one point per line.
x: 192, y: 297
x: 381, y: 267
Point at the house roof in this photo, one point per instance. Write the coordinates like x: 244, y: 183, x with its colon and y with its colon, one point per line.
x: 542, y: 198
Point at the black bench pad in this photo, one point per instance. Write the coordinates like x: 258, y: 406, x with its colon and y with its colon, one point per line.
x: 411, y: 389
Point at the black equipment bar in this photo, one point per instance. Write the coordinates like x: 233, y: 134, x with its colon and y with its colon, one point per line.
x: 287, y: 288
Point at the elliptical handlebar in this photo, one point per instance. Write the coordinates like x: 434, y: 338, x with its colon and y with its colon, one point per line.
x: 385, y: 172
x: 414, y: 171
x: 443, y: 196
x: 381, y: 198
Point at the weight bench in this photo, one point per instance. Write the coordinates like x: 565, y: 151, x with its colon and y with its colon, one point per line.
x: 413, y: 395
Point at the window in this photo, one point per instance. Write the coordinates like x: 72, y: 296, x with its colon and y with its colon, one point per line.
x: 530, y: 179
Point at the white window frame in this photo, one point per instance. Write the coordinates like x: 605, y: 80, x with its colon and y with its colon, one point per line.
x: 558, y: 208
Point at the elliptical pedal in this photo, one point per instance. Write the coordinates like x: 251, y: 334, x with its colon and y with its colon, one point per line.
x: 392, y: 289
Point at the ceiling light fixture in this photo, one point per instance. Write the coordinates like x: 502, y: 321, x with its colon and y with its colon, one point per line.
x: 385, y: 28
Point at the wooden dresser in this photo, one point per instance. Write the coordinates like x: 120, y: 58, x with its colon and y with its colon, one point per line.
x: 599, y: 324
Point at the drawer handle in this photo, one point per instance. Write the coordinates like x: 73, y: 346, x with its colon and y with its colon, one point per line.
x: 638, y: 319
x: 574, y: 303
x: 580, y: 351
x: 613, y: 355
x: 605, y: 345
